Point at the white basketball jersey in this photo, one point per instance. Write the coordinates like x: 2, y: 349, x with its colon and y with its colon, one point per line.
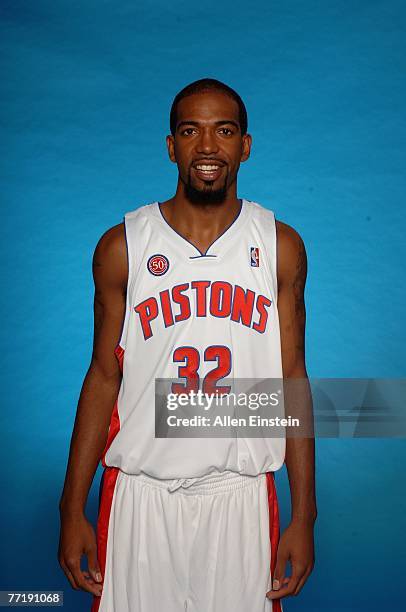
x: 212, y: 313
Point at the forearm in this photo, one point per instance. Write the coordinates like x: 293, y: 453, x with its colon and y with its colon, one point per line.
x: 300, y: 466
x: 300, y: 452
x: 97, y: 398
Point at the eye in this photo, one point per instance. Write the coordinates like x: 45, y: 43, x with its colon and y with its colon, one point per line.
x: 187, y: 131
x: 226, y: 131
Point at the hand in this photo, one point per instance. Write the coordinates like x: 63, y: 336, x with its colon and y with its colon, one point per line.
x: 296, y: 544
x: 77, y: 537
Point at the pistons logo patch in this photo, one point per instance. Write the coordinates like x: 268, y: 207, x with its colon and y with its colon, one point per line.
x: 254, y: 257
x: 158, y: 264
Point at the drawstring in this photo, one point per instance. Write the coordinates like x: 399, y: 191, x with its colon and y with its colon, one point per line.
x: 181, y: 482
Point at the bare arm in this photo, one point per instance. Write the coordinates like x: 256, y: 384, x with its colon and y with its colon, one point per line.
x: 97, y: 398
x: 296, y: 543
x: 292, y: 272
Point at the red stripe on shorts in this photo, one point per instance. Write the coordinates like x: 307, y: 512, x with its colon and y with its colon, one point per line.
x: 106, y: 496
x: 107, y: 485
x: 273, y: 529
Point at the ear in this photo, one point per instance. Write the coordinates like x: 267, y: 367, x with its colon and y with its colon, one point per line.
x: 246, y: 147
x: 170, y: 143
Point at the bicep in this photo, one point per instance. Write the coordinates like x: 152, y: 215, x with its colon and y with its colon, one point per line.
x: 292, y: 272
x: 110, y: 270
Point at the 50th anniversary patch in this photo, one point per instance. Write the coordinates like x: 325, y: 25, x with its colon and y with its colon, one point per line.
x: 158, y: 264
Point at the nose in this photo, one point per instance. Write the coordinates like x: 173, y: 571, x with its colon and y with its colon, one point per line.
x: 207, y: 142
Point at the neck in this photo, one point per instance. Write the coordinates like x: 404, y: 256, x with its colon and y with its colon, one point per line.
x: 200, y: 224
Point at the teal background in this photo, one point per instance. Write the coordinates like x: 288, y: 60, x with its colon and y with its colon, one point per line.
x: 86, y: 91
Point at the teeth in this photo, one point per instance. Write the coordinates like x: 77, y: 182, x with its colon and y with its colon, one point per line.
x: 207, y: 168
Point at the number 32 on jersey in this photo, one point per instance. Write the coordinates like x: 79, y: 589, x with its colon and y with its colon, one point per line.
x: 190, y: 359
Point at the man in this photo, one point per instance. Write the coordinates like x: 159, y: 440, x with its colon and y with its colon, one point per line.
x: 187, y: 289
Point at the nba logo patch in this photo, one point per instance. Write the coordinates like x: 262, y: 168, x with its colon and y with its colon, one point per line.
x: 255, y: 257
x: 158, y: 264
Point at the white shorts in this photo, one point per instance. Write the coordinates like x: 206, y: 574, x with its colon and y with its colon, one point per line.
x: 188, y: 545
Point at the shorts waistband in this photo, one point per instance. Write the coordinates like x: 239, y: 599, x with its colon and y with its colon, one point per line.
x: 209, y: 484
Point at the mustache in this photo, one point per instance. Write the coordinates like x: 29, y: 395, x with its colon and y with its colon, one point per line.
x: 208, y: 160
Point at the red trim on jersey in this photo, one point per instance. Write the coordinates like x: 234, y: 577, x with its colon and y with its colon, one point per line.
x: 115, y: 418
x: 273, y: 529
x: 106, y: 496
x: 107, y: 485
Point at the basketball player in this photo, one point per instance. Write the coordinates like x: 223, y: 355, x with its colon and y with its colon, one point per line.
x: 199, y: 287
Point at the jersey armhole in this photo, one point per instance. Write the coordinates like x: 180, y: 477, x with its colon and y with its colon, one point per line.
x: 274, y: 261
x: 271, y: 247
x: 123, y: 335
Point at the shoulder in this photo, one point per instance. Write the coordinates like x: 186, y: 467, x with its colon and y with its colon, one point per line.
x: 291, y: 252
x: 288, y: 237
x: 112, y: 242
x: 110, y: 255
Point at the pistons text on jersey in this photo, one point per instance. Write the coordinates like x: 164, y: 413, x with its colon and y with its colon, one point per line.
x: 216, y: 299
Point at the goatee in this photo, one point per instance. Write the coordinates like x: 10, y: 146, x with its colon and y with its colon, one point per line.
x: 205, y: 196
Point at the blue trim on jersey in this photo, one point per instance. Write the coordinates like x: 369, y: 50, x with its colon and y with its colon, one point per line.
x: 210, y: 245
x: 201, y: 256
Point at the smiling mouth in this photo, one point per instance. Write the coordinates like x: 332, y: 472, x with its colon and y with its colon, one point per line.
x: 208, y: 172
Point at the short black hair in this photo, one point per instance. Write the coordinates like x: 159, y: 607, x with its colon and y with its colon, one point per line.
x: 203, y: 86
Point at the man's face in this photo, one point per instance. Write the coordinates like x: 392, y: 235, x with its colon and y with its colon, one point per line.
x: 208, y: 146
